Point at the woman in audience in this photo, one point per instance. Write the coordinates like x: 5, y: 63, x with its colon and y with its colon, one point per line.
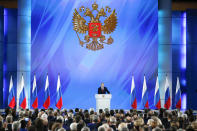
x: 104, y: 120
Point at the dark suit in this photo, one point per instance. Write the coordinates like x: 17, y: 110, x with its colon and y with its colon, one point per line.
x: 104, y: 91
x: 94, y: 126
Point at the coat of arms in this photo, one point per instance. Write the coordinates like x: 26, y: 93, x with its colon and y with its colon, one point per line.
x: 95, y: 38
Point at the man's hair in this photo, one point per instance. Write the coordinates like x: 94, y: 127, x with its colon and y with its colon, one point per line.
x: 76, y: 109
x: 77, y: 118
x: 100, y: 111
x: 112, y: 119
x: 16, y: 126
x: 7, y: 111
x: 101, y: 128
x: 70, y: 115
x: 61, y: 129
x: 56, y: 126
x: 23, y: 124
x: 39, y: 124
x: 50, y: 113
x: 86, y: 115
x: 122, y: 126
x: 1, y: 118
x: 60, y: 119
x: 112, y: 112
x: 105, y: 125
x: 95, y: 118
x: 85, y: 129
x: 124, y: 129
x: 73, y: 126
x: 157, y: 129
x: 91, y: 111
x: 80, y: 126
x: 9, y: 119
x: 71, y: 110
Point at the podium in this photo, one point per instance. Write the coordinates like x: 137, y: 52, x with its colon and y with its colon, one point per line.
x: 103, y: 101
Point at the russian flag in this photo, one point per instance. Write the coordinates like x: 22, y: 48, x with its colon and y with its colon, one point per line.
x: 59, y: 94
x: 167, y: 103
x: 145, y: 103
x: 133, y: 95
x: 157, y: 101
x: 46, y: 94
x: 34, y: 94
x: 11, y: 96
x: 178, y: 95
x: 22, y: 98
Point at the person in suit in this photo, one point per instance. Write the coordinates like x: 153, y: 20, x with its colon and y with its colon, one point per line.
x: 102, y: 89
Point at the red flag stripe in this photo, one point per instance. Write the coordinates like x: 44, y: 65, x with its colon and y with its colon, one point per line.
x: 24, y: 103
x: 12, y: 103
x: 168, y: 103
x: 178, y: 105
x: 35, y: 104
x: 47, y: 103
x: 147, y: 105
x: 158, y: 104
x: 59, y: 103
x: 134, y: 104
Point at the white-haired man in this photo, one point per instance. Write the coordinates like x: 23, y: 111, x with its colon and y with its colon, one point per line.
x: 16, y: 126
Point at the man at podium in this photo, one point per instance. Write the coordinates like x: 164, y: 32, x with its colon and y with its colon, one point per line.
x: 102, y: 89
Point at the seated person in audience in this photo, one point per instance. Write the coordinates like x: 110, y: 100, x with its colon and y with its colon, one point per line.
x: 77, y: 120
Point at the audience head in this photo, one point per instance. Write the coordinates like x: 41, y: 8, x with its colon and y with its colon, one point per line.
x: 85, y: 129
x: 101, y: 128
x: 60, y: 119
x: 61, y: 129
x: 105, y: 120
x: 56, y: 126
x: 122, y: 126
x: 9, y: 119
x: 73, y: 126
x: 16, y: 126
x: 23, y: 124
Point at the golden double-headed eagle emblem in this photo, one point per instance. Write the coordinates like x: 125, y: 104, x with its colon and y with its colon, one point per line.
x: 95, y: 38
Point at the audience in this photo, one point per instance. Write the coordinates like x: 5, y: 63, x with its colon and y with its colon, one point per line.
x: 104, y: 120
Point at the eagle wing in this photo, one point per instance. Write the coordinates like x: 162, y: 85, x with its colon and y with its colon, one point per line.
x: 110, y: 23
x: 79, y: 23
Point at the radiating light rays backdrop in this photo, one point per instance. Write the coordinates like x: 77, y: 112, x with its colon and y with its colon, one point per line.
x: 56, y: 49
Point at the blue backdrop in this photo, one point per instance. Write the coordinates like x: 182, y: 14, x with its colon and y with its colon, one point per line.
x: 56, y: 49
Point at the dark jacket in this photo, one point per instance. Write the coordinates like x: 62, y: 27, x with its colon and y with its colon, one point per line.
x: 94, y: 126
x: 104, y: 91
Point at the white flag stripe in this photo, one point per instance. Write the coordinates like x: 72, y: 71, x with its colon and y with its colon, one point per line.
x: 144, y: 87
x: 47, y: 83
x: 132, y: 84
x: 22, y: 84
x: 177, y: 85
x: 11, y: 84
x: 58, y: 83
x: 166, y: 84
x: 34, y: 84
x: 157, y: 85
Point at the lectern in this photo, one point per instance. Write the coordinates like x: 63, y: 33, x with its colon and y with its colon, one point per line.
x: 103, y: 101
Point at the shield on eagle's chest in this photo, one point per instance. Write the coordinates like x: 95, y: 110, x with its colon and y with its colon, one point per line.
x: 95, y: 29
